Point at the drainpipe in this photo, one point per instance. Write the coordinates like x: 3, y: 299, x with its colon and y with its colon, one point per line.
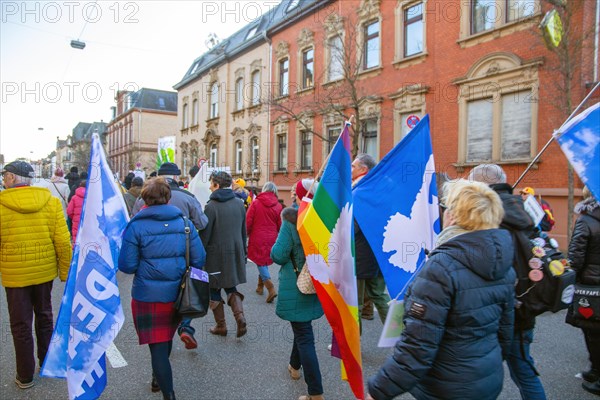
x: 596, y: 39
x: 270, y: 69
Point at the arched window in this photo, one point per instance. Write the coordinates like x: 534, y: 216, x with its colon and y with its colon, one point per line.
x: 214, y: 101
x: 256, y: 88
x: 185, y: 116
x: 239, y: 94
x: 213, y: 155
x: 238, y: 157
x: 195, y: 112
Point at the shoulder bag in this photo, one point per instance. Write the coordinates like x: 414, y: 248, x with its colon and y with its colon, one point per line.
x: 304, y: 281
x: 584, y: 311
x: 194, y: 294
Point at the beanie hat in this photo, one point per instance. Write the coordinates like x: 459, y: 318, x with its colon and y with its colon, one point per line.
x: 20, y: 168
x: 528, y: 190
x: 137, y: 181
x: 169, y: 168
x: 303, y: 186
x: 59, y: 172
x: 240, y: 182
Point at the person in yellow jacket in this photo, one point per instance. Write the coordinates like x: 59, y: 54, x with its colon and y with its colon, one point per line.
x: 35, y: 247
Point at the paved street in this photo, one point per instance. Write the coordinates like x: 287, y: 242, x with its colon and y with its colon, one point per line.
x: 254, y: 367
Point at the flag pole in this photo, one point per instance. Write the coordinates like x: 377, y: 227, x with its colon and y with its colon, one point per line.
x: 327, y: 158
x: 552, y: 137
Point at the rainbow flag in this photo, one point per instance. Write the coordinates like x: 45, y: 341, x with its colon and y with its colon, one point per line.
x: 326, y: 230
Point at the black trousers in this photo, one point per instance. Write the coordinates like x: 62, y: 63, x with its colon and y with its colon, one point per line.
x: 23, y: 303
x: 592, y: 341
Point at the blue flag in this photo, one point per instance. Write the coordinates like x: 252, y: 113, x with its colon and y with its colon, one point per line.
x: 396, y: 207
x: 579, y: 139
x: 90, y: 315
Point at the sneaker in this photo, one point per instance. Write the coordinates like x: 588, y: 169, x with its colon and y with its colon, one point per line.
x: 190, y: 342
x: 24, y: 384
x: 591, y: 376
x: 294, y: 373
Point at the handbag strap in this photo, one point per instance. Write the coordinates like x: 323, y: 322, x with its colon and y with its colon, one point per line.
x: 59, y: 193
x: 187, y: 242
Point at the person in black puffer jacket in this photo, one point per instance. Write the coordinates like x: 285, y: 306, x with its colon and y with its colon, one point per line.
x: 459, y: 309
x: 584, y: 254
x: 520, y: 225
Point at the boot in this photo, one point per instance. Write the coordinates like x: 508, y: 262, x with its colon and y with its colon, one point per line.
x: 367, y: 310
x: 271, y: 288
x: 260, y: 286
x: 219, y: 312
x: 592, y: 387
x: 169, y: 396
x: 235, y: 302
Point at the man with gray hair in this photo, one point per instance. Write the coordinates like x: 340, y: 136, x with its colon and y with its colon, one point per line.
x: 369, y: 279
x: 35, y: 247
x: 518, y: 222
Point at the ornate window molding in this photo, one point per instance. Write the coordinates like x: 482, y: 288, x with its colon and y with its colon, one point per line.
x: 501, y: 80
x: 409, y: 99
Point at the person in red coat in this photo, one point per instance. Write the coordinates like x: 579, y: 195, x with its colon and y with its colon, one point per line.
x: 263, y: 221
x: 74, y: 209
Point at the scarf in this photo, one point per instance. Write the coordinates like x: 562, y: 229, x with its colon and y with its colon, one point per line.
x: 449, y: 233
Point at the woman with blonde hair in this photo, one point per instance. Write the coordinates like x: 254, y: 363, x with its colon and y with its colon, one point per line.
x: 459, y: 309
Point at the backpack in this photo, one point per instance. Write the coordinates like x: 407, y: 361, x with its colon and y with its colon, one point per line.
x: 545, y: 282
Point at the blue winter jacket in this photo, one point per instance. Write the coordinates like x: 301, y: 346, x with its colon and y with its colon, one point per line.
x: 458, y: 323
x: 154, y: 250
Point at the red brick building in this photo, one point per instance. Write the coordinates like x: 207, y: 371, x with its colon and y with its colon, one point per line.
x: 479, y: 68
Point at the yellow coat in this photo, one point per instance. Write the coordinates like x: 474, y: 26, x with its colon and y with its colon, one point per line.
x: 35, y: 245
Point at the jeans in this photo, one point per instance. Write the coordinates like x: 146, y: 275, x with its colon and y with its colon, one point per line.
x: 263, y: 272
x: 304, y: 355
x: 22, y: 303
x: 215, y: 294
x: 186, y: 326
x: 521, y: 367
x: 161, y: 366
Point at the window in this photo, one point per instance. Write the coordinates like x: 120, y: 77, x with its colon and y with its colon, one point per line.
x: 512, y: 132
x: 307, y: 68
x: 255, y: 154
x: 238, y: 157
x: 252, y: 32
x: 184, y: 123
x: 239, y: 94
x: 483, y: 15
x: 281, y: 152
x: 369, y: 138
x: 213, y: 155
x: 214, y: 101
x: 161, y: 103
x: 195, y: 111
x: 305, y: 150
x: 413, y: 30
x: 256, y: 88
x: 517, y: 9
x: 333, y: 132
x: 284, y: 76
x: 335, y: 69
x: 293, y: 4
x: 371, y: 45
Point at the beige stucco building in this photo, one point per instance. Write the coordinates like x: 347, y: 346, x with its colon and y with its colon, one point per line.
x: 139, y: 120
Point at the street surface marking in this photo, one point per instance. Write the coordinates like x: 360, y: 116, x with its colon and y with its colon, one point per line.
x: 115, y: 357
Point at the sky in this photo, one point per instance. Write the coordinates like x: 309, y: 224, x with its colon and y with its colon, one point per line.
x: 48, y: 86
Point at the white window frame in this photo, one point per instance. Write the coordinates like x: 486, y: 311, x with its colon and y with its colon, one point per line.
x: 214, y: 155
x: 195, y: 111
x: 366, y: 42
x: 255, y: 87
x: 184, y: 116
x: 239, y: 94
x: 238, y: 156
x: 255, y: 152
x: 214, y: 101
x: 335, y: 70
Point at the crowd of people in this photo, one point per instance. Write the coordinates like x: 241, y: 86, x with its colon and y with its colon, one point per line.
x: 461, y: 319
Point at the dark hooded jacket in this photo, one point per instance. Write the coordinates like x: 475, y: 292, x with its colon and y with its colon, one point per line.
x: 584, y: 249
x: 521, y: 227
x: 458, y: 323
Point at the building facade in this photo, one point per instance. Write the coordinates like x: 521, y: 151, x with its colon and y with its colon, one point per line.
x: 139, y: 120
x: 479, y: 68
